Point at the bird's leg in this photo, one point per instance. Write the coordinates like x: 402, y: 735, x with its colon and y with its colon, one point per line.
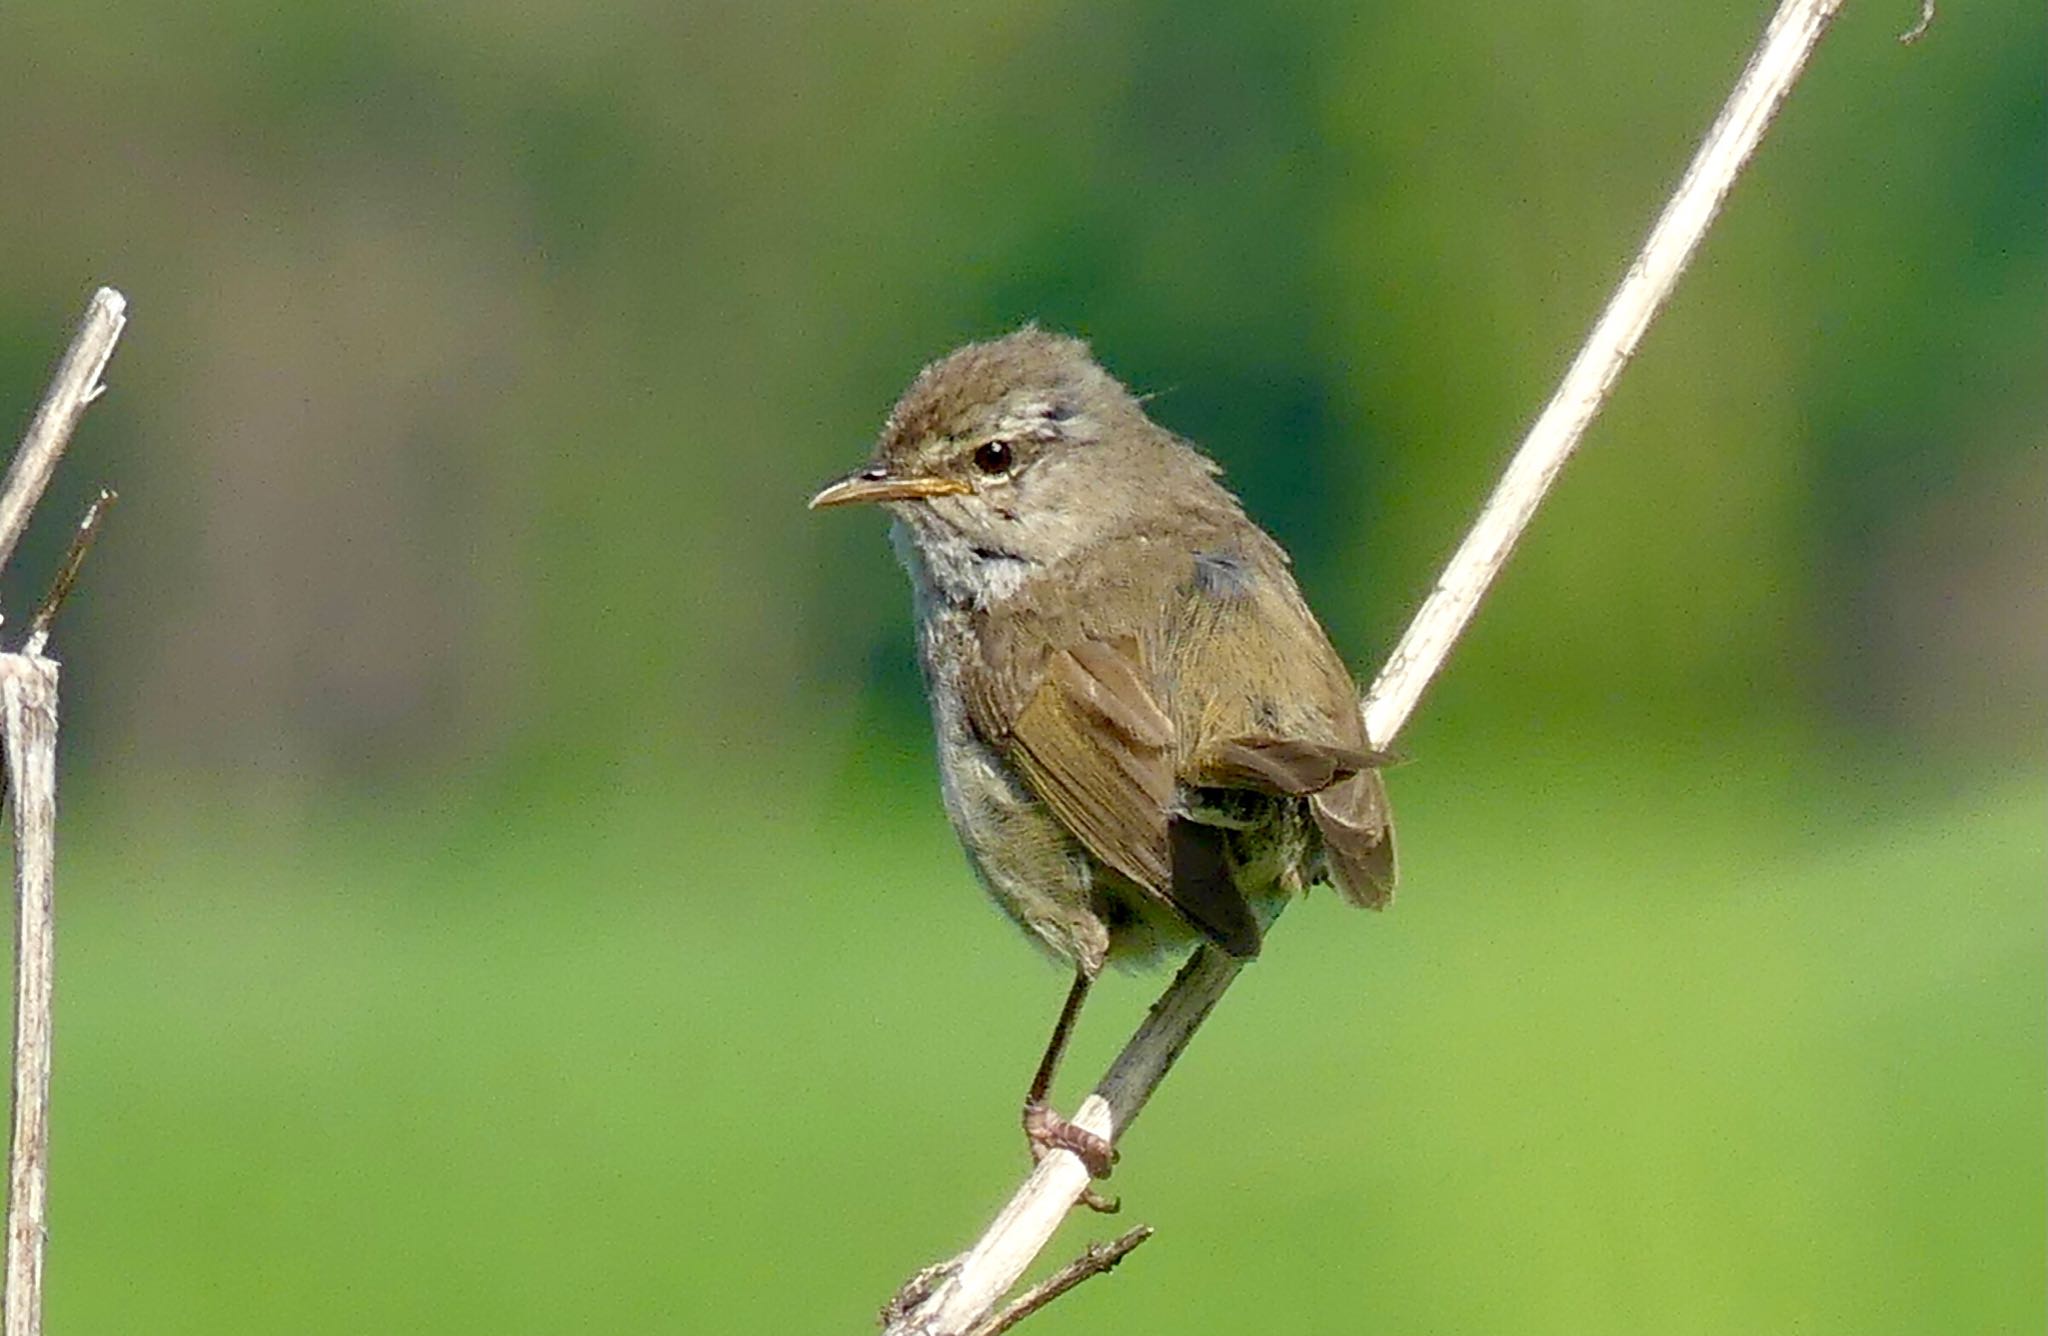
x: 1047, y: 1130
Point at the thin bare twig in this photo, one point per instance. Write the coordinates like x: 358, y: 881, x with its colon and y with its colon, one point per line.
x: 76, y: 384
x: 1098, y: 1260
x: 1023, y: 1228
x: 1414, y: 663
x: 67, y: 574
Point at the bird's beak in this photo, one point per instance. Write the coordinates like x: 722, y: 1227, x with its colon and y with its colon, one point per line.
x: 876, y: 484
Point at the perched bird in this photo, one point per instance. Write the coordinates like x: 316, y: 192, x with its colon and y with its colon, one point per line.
x: 1145, y: 739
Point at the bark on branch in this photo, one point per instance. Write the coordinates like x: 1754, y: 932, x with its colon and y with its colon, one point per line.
x: 28, y: 707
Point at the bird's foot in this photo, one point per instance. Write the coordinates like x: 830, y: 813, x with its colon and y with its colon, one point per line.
x: 1047, y: 1131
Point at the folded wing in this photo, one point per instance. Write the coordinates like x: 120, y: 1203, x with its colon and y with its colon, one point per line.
x: 1094, y: 745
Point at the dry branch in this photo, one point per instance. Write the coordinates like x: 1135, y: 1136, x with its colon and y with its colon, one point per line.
x: 28, y: 715
x: 82, y: 539
x: 28, y: 706
x: 976, y: 1282
x: 1099, y: 1260
x: 76, y: 385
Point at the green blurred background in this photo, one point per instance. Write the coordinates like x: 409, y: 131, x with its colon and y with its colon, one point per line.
x: 503, y: 884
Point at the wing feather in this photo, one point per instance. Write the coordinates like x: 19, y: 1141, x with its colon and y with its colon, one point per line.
x: 1094, y: 745
x: 1288, y: 767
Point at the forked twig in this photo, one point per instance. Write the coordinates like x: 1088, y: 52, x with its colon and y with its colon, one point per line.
x: 1100, y: 1259
x: 76, y: 385
x: 28, y: 717
x: 988, y: 1270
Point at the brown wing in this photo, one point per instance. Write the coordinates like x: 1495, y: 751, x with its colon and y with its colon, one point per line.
x: 1289, y: 767
x: 1094, y: 745
x: 1262, y: 702
x: 1097, y: 749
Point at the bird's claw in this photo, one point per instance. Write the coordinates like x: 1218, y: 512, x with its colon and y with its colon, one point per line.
x: 1047, y: 1130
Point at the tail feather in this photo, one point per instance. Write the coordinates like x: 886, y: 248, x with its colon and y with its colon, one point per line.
x: 1358, y: 838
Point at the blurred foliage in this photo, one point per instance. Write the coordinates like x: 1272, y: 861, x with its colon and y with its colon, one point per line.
x: 494, y: 787
x: 482, y: 359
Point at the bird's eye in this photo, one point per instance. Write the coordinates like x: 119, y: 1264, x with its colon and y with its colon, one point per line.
x: 993, y: 457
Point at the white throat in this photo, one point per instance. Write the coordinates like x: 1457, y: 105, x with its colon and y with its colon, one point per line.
x: 947, y: 569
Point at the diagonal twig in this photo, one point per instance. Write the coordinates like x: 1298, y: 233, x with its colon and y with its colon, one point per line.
x: 1021, y: 1231
x: 76, y: 385
x: 82, y: 540
x: 1100, y: 1259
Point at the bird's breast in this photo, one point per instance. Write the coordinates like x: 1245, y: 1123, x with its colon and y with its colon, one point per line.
x: 1027, y: 862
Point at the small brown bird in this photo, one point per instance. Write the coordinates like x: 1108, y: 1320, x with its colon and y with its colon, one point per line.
x: 1145, y: 739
